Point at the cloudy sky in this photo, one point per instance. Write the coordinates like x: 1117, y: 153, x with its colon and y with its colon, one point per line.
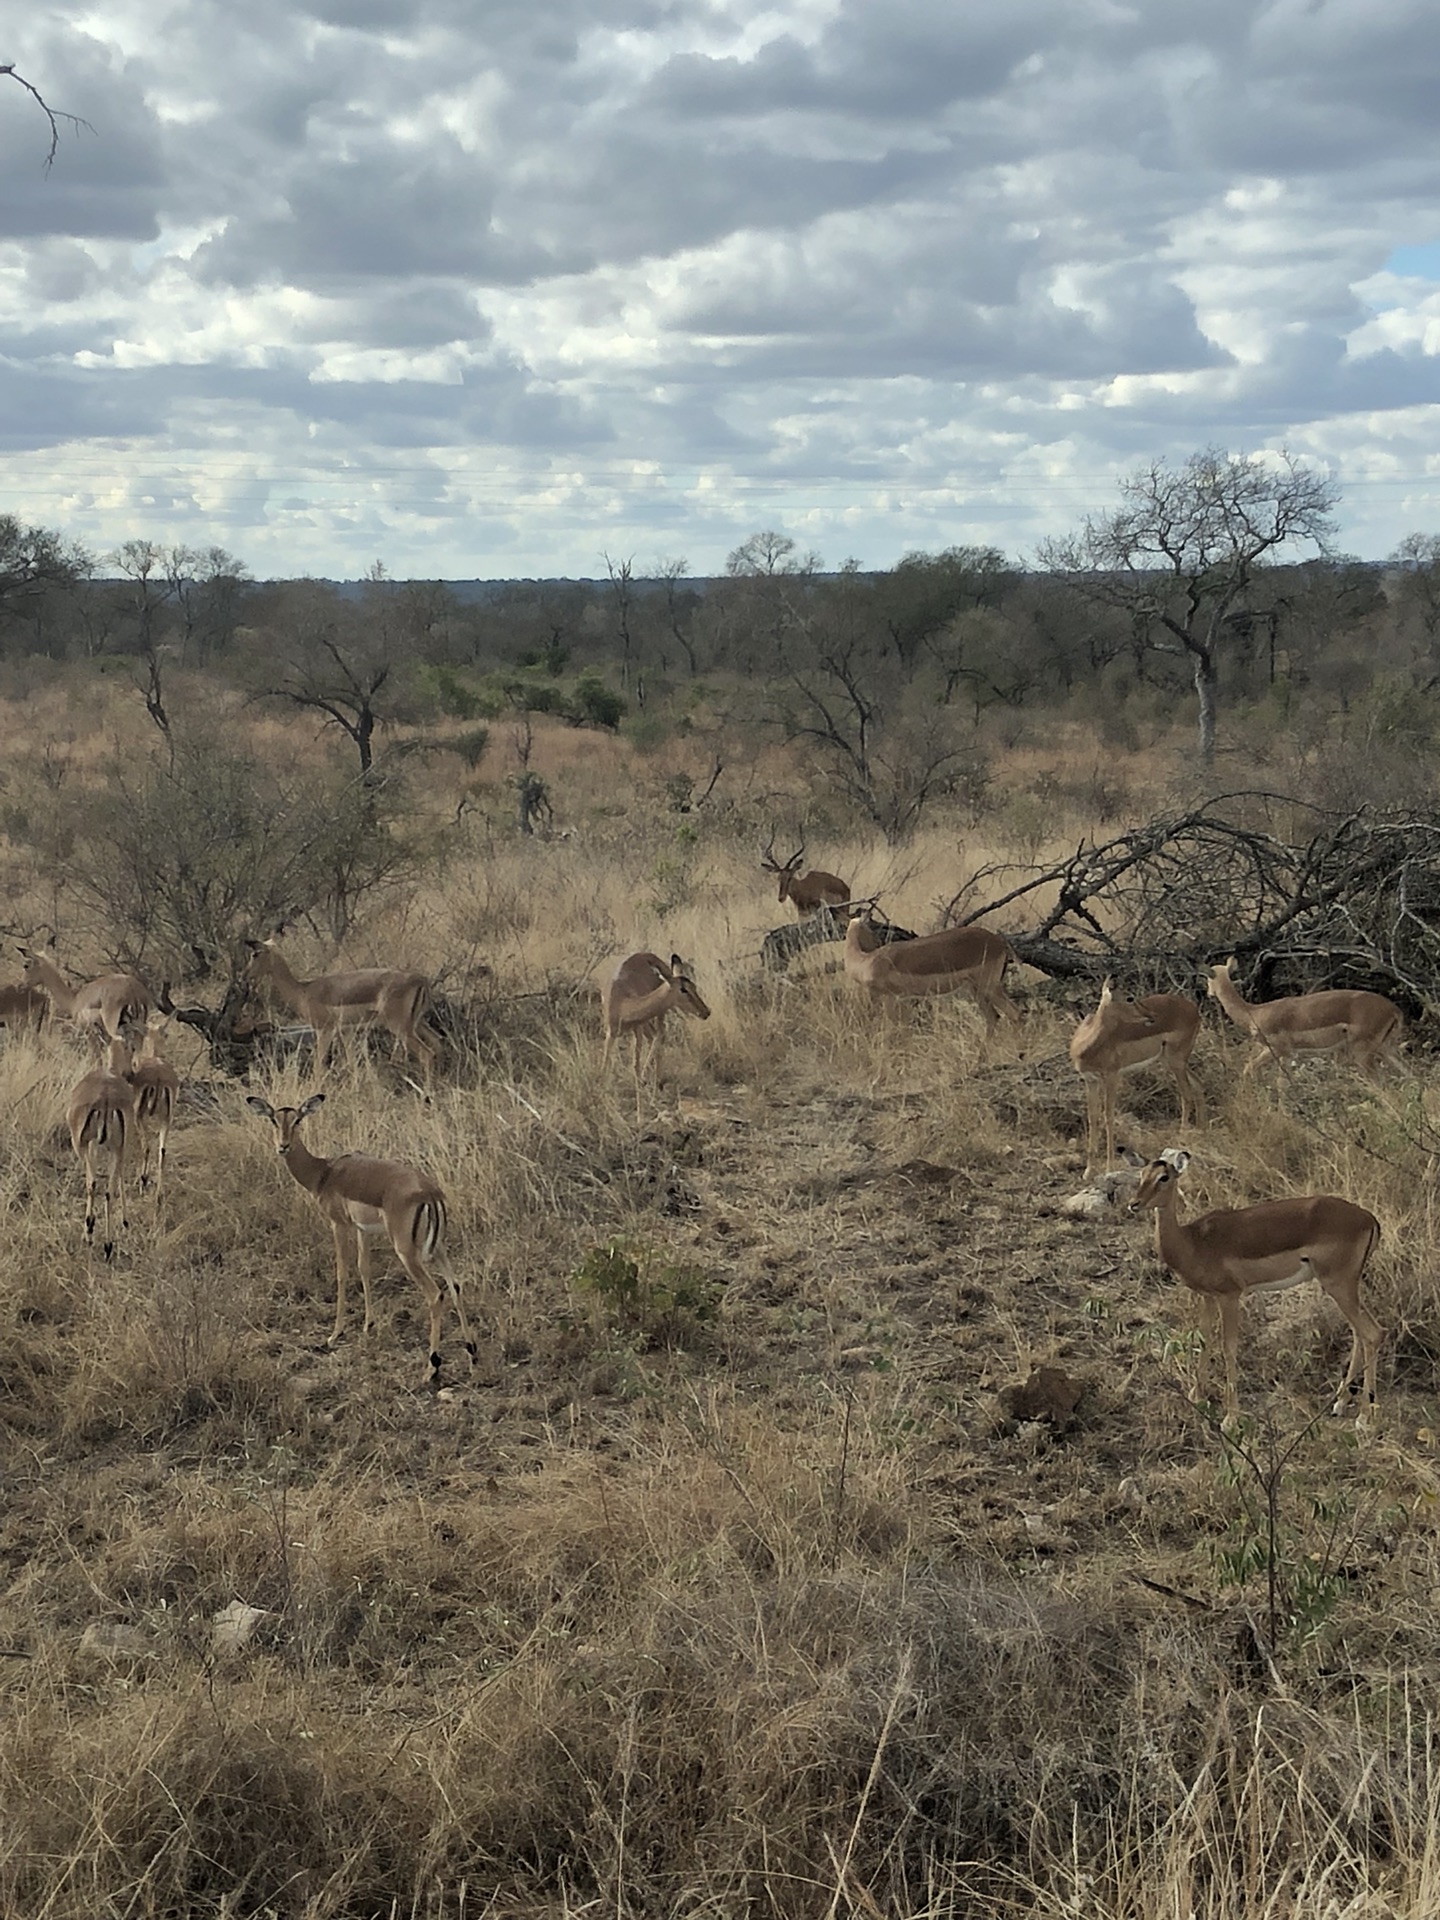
x: 502, y: 287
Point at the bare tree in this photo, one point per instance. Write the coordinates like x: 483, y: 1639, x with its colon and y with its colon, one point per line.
x: 330, y: 658
x: 1183, y: 552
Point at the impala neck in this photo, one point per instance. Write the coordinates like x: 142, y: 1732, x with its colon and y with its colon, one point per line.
x: 282, y: 979
x: 1231, y: 998
x: 658, y: 1000
x: 56, y: 985
x: 1171, y: 1235
x: 308, y: 1168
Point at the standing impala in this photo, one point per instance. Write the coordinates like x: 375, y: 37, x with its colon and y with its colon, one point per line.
x: 809, y: 891
x: 107, y: 1004
x: 156, y: 1086
x: 362, y: 1198
x: 367, y: 997
x: 1367, y: 1026
x: 100, y: 1116
x: 969, y: 957
x: 1122, y: 1035
x: 638, y: 995
x: 1223, y: 1256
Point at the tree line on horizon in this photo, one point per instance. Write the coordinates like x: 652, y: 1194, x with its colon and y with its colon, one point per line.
x: 1213, y: 582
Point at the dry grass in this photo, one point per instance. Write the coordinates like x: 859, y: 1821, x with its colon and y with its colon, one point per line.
x: 759, y: 1610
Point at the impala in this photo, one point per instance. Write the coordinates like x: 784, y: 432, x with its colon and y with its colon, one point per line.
x: 156, y: 1086
x: 1366, y: 1025
x: 808, y: 891
x: 638, y: 995
x: 100, y: 1115
x: 110, y: 1003
x: 1223, y: 1256
x: 1121, y: 1035
x: 362, y: 1198
x: 369, y: 997
x: 969, y: 957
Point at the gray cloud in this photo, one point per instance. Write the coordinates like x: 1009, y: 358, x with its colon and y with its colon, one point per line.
x: 644, y: 274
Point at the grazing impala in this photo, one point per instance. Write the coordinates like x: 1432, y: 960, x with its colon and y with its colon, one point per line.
x: 1223, y: 1256
x: 362, y: 1198
x: 100, y: 1116
x: 638, y: 995
x: 156, y: 1086
x: 1121, y: 1035
x: 1367, y: 1026
x: 106, y: 1005
x: 969, y: 957
x: 367, y: 997
x: 808, y: 891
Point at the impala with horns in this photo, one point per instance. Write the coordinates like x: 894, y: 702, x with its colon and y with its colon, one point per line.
x: 363, y: 1198
x: 638, y: 995
x: 367, y: 997
x: 100, y: 1116
x: 808, y: 891
x: 974, y: 958
x: 1365, y: 1026
x: 1122, y: 1035
x: 106, y: 1005
x: 1222, y: 1256
x: 156, y: 1086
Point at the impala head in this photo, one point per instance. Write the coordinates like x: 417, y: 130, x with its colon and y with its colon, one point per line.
x: 687, y: 993
x: 786, y: 871
x: 285, y: 1120
x: 1226, y: 972
x: 1157, y: 1182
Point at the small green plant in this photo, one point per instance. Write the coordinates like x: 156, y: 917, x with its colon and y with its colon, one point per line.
x: 641, y: 1288
x: 1295, y: 1542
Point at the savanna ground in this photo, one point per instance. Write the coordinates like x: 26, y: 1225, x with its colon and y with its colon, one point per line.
x: 728, y: 1583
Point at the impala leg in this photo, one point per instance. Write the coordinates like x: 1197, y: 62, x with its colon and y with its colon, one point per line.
x: 457, y: 1300
x: 1364, y: 1351
x: 366, y: 1246
x: 1093, y: 1125
x: 343, y: 1235
x: 1229, y: 1304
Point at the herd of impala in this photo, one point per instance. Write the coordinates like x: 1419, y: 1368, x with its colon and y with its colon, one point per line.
x: 1221, y: 1255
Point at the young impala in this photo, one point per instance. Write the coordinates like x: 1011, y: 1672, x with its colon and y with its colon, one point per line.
x: 366, y: 997
x: 100, y: 1117
x: 1122, y: 1035
x: 362, y: 1198
x: 1366, y: 1026
x: 1222, y: 1256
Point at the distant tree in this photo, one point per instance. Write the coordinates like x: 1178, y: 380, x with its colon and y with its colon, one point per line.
x: 681, y: 603
x: 1416, y: 592
x: 328, y: 656
x: 1182, y: 555
x: 924, y: 594
x: 772, y: 579
x: 34, y: 561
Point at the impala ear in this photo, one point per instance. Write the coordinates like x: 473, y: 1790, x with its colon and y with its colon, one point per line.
x: 677, y: 965
x: 1175, y: 1157
x: 315, y: 1101
x: 260, y: 1106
